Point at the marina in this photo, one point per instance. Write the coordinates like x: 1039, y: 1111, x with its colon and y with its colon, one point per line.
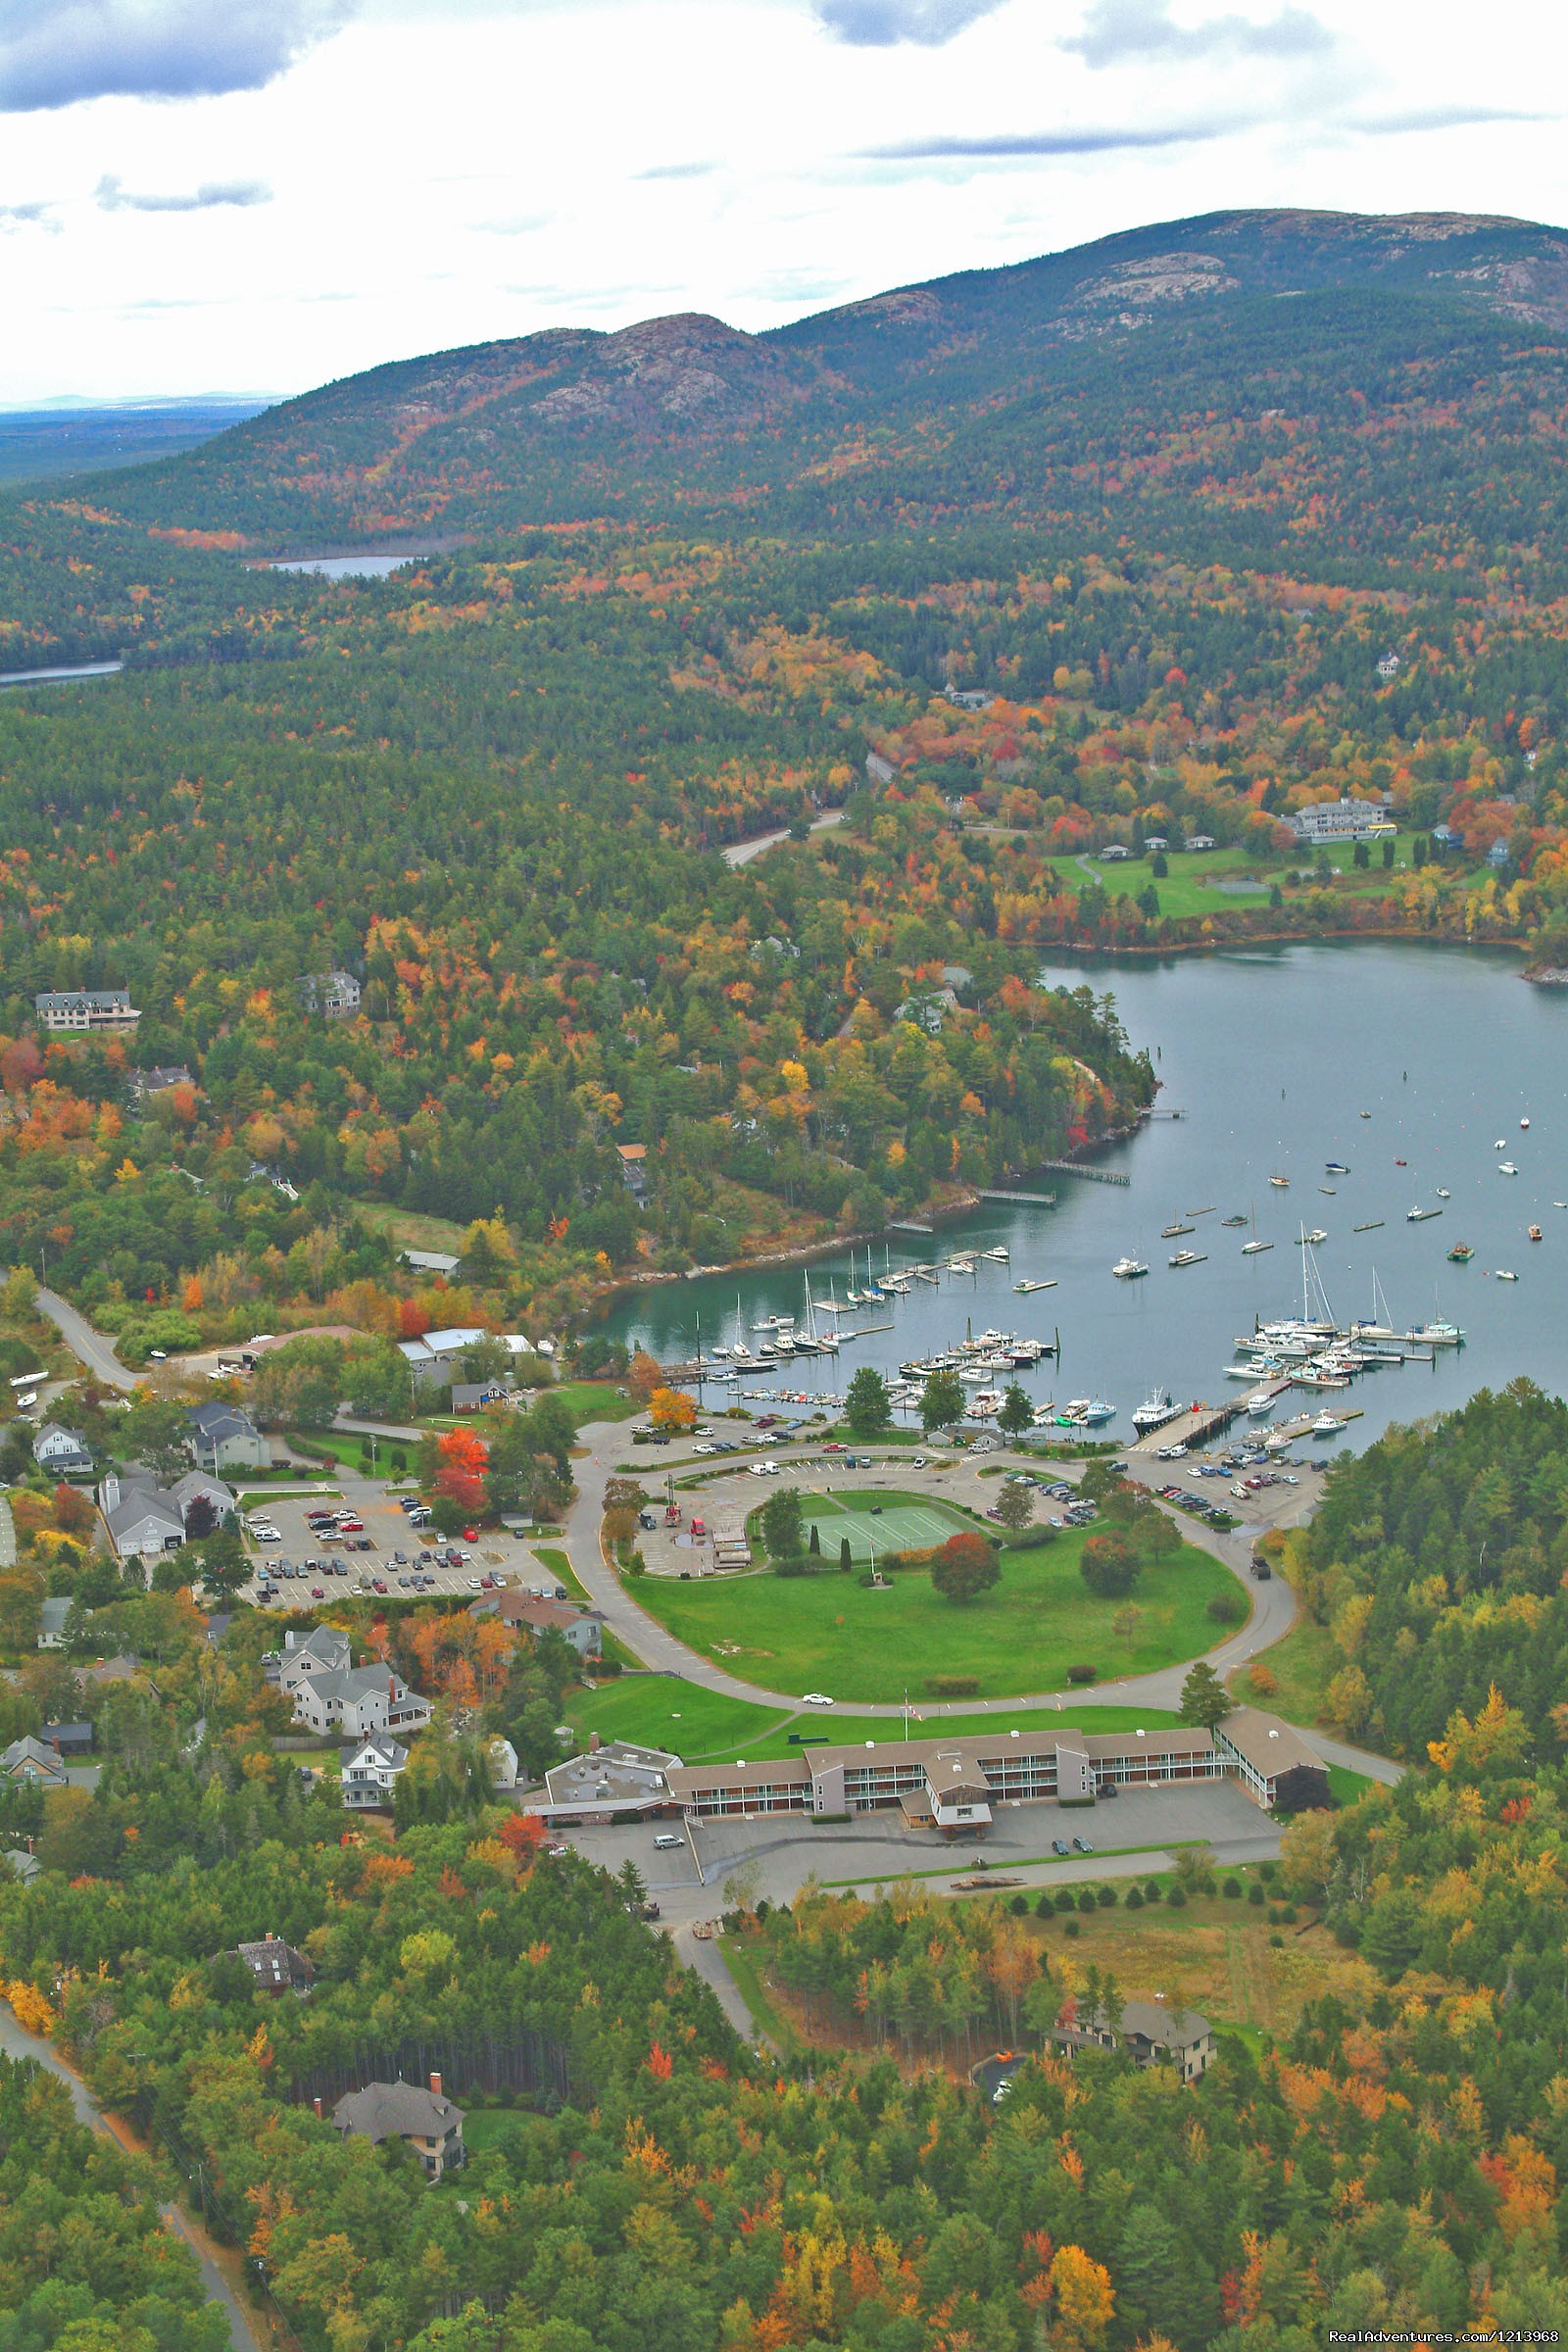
x: 1477, y: 1039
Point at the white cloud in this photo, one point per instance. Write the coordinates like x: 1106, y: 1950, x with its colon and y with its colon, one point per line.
x: 113, y: 196
x: 55, y: 53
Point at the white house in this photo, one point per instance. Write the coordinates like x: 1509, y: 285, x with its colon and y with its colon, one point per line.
x: 432, y: 1359
x: 502, y: 1758
x: 324, y: 1651
x: 370, y: 1772
x: 74, y: 1009
x: 143, y: 1520
x: 224, y: 1437
x: 1343, y: 820
x: 52, y: 1615
x: 197, y: 1486
x: 61, y: 1452
x: 358, y: 1700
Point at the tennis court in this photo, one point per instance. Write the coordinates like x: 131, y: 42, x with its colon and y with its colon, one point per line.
x: 898, y: 1527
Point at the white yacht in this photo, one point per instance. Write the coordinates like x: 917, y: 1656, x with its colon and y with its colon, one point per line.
x: 1128, y: 1269
x: 1155, y: 1410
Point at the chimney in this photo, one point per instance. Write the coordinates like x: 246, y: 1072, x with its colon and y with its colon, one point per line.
x: 391, y: 1690
x: 316, y: 2104
x: 435, y: 2086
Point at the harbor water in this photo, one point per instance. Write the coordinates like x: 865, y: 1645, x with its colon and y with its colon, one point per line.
x: 1271, y: 1057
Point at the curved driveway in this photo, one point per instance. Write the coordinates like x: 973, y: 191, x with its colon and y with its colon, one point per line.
x: 1273, y: 1607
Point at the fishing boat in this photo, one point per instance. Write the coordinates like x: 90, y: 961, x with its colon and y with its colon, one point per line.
x: 1155, y: 1410
x: 1419, y: 1216
x: 1460, y: 1254
x: 1317, y: 1235
x: 1439, y: 1333
x: 1326, y: 1426
x: 1503, y: 1275
x: 999, y: 1255
x: 1372, y: 1225
x: 1232, y: 1220
x: 1187, y: 1257
x: 1097, y: 1412
x: 1534, y: 1233
x: 1128, y: 1269
x: 1335, y: 1167
x: 1258, y: 1409
x: 1443, y: 1193
x: 1049, y: 1284
x: 1169, y: 1233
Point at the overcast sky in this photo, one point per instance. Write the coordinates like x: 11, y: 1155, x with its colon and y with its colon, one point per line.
x: 258, y: 195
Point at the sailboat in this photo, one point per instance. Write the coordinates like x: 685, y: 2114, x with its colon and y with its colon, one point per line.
x: 1254, y: 1246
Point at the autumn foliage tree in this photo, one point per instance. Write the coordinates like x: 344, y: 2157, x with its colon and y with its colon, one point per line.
x: 672, y: 1409
x: 460, y: 1468
x: 964, y: 1567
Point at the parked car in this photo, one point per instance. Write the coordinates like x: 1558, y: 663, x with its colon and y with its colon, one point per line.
x: 1059, y: 1845
x: 1081, y: 1846
x: 816, y: 1698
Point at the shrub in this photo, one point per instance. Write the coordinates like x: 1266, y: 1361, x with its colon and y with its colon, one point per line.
x: 1019, y: 1906
x: 1151, y: 1890
x: 1045, y: 1908
x: 1254, y: 1896
x: 1277, y: 1939
x: 951, y: 1686
x: 1106, y: 1897
x: 1085, y: 1899
x: 1082, y: 1674
x: 1176, y: 1899
x: 1135, y: 1898
x: 1228, y: 1608
x: 1231, y: 1891
x: 1266, y: 1871
x: 1290, y: 1914
x: 1069, y: 1927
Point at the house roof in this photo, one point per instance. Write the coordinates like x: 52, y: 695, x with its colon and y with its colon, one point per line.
x: 216, y: 1419
x: 52, y: 1614
x: 274, y: 1964
x: 58, y: 1429
x: 522, y: 1608
x: 28, y: 1751
x: 375, y: 1748
x: 396, y: 2111
x: 1267, y: 1743
x: 632, y: 1152
x: 196, y: 1482
x: 1162, y: 2022
x: 346, y: 1684
x: 431, y: 1261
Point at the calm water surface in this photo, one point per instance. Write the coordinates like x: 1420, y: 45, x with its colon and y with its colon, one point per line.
x: 365, y: 564
x: 1272, y: 1055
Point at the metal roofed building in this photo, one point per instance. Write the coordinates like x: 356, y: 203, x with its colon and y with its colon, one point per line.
x: 1271, y: 1760
x: 618, y: 1777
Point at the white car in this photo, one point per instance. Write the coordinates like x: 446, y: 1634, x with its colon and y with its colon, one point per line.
x: 816, y: 1698
x: 474, y: 1585
x: 704, y: 1449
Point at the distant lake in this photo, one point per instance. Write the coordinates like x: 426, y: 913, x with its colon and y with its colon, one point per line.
x: 367, y: 564
x: 1271, y: 1054
x: 50, y: 678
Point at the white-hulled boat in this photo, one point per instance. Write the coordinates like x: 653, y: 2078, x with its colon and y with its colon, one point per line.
x: 1128, y: 1269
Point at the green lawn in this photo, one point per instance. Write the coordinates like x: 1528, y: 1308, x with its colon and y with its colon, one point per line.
x: 595, y: 1401
x: 1348, y: 1786
x: 1188, y: 887
x: 657, y: 1710
x: 830, y: 1632
x: 1302, y: 1664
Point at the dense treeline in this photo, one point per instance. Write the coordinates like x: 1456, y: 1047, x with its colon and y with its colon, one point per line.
x: 1437, y: 1559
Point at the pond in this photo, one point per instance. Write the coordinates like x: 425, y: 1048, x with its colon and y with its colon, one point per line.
x: 1271, y: 1056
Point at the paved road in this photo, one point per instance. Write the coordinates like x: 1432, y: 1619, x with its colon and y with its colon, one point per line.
x: 16, y: 2042
x: 741, y: 852
x: 90, y: 1347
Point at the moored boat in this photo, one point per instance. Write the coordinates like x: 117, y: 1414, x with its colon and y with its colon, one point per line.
x: 1460, y: 1254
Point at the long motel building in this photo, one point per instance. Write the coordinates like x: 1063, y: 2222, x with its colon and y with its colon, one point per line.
x: 952, y: 1785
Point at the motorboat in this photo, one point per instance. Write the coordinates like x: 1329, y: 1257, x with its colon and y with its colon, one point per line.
x: 1534, y: 1233
x: 1461, y: 1253
x: 1128, y: 1269
x: 1232, y: 1221
x: 1187, y: 1257
x: 1439, y: 1333
x: 1254, y: 1246
x: 1097, y: 1412
x: 1443, y: 1193
x: 1280, y: 1184
x: 1258, y: 1409
x: 1503, y: 1275
x: 1419, y: 1216
x: 999, y: 1255
x: 1505, y: 1168
x: 1024, y: 1288
x: 1335, y: 1167
x: 1326, y: 1426
x: 1155, y: 1410
x: 1171, y: 1233
x: 1317, y: 1235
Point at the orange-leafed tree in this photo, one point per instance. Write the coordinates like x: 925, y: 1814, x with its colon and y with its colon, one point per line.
x: 671, y: 1409
x: 459, y: 1473
x: 192, y: 1297
x: 645, y: 1374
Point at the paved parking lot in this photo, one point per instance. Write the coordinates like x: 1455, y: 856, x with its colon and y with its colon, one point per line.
x: 389, y: 1533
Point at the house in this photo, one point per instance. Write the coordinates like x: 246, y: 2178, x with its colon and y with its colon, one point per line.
x: 1498, y: 854
x: 431, y: 1359
x: 22, y: 1865
x: 78, y: 1011
x: 277, y: 1966
x: 214, y: 1625
x: 1444, y: 837
x: 224, y: 1437
x: 928, y: 1009
x: 145, y: 1084
x: 336, y: 994
x: 62, y: 1451
x: 1155, y: 841
x: 143, y: 1521
x: 1389, y: 667
x: 429, y: 1261
x: 324, y: 1651
x: 528, y: 1611
x: 1201, y: 841
x: 369, y: 1774
x: 1113, y: 853
x: 1343, y: 820
x: 27, y: 1761
x: 473, y: 1395
x: 968, y: 697
x: 633, y: 1169
x: 52, y: 1615
x: 67, y: 1739
x: 355, y: 1701
x: 502, y: 1761
x: 426, y: 2119
x: 1153, y: 2032
x: 197, y: 1487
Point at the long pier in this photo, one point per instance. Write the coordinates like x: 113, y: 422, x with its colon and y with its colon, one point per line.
x: 1031, y: 1200
x: 1074, y: 1167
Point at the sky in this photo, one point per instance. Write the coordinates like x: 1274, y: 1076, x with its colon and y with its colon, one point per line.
x: 257, y: 196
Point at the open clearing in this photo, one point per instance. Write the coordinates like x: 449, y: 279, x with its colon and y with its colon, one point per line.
x: 828, y: 1632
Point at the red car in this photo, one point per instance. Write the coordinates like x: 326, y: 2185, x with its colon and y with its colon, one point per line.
x: 471, y: 1535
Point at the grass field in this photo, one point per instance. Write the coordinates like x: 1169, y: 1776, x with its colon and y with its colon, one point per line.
x: 409, y: 1229
x: 831, y: 1633
x: 656, y: 1710
x: 1188, y: 888
x: 1303, y: 1665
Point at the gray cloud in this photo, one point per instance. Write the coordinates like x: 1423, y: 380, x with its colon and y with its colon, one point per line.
x: 1091, y: 141
x: 38, y: 215
x: 56, y: 53
x: 884, y: 24
x: 676, y: 171
x: 1118, y: 32
x: 211, y: 196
